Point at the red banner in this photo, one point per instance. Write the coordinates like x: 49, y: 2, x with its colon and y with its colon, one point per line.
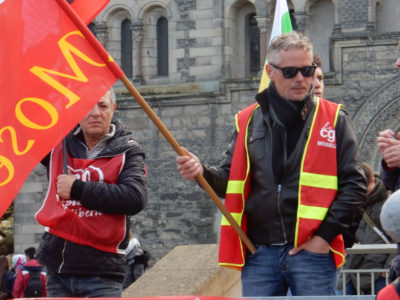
x: 88, y: 9
x: 160, y: 297
x: 52, y: 71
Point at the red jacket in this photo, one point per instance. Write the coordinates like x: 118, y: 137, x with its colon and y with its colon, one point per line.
x: 22, y: 279
x: 390, y: 292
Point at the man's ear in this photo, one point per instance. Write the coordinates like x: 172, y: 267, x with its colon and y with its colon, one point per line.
x: 269, y: 70
x: 114, y: 106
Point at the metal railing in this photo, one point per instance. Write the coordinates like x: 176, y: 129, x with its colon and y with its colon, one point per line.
x: 367, y: 249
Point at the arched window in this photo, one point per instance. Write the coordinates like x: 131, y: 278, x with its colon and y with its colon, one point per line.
x: 126, y: 48
x: 254, y: 44
x: 162, y: 46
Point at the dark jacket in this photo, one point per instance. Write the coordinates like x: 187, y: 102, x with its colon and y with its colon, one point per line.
x: 7, y: 283
x: 390, y: 177
x: 276, y: 149
x: 366, y: 235
x: 127, y: 197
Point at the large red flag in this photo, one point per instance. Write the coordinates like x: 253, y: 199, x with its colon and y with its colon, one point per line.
x: 50, y: 76
x: 88, y: 9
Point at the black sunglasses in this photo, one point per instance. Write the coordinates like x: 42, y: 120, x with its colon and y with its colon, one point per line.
x: 290, y: 72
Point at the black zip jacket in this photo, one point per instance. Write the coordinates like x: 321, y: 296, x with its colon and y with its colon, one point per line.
x: 128, y: 197
x: 271, y: 208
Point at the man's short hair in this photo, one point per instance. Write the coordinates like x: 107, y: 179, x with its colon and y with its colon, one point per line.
x: 317, y: 60
x: 112, y: 97
x: 369, y: 173
x: 31, y: 251
x: 286, y: 41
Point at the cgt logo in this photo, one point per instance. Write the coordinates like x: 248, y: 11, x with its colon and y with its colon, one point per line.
x: 89, y: 174
x: 328, y: 133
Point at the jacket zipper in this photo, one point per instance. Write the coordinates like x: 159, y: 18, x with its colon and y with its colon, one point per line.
x: 279, y: 211
x: 62, y: 255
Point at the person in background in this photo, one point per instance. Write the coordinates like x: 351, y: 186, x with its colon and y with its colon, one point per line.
x: 17, y: 261
x: 391, y: 224
x: 6, y: 279
x: 389, y: 145
x: 137, y: 260
x: 318, y: 78
x: 268, y: 179
x: 367, y: 234
x: 24, y: 275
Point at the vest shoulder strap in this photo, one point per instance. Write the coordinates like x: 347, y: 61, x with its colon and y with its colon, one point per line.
x: 243, y: 116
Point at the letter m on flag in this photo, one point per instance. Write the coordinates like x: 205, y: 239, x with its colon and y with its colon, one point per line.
x: 50, y: 76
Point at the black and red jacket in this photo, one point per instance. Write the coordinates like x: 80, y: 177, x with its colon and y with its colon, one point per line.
x: 127, y: 197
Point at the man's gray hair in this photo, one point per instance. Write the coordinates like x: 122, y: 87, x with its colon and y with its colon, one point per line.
x: 286, y: 41
x: 112, y: 97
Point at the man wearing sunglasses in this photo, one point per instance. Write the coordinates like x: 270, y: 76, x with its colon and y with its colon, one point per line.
x: 291, y: 177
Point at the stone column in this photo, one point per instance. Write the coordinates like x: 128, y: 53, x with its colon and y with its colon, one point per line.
x: 300, y: 18
x: 336, y: 26
x: 262, y: 25
x: 137, y: 36
x: 101, y: 33
x: 371, y: 23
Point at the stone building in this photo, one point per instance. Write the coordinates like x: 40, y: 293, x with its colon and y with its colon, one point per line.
x: 197, y: 62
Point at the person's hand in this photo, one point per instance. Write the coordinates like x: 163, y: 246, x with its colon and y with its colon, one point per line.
x: 189, y: 165
x: 64, y: 184
x: 315, y: 245
x: 385, y: 139
x: 391, y: 155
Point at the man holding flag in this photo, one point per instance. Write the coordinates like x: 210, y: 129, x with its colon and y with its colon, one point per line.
x: 291, y: 178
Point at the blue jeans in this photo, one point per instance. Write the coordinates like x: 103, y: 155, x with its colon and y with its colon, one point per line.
x: 271, y: 271
x: 62, y: 285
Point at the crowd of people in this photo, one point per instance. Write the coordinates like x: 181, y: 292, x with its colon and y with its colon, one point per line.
x: 292, y: 176
x: 23, y: 277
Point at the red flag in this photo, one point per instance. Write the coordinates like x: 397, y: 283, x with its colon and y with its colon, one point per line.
x: 88, y: 9
x: 50, y: 76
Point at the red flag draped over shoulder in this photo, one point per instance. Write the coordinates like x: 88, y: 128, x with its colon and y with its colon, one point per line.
x: 50, y: 76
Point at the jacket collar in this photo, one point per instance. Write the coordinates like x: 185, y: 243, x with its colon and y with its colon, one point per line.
x: 264, y: 100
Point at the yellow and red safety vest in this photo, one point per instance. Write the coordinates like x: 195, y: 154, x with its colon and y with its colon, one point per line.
x: 318, y: 184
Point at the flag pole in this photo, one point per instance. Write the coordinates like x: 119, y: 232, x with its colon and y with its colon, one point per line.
x: 157, y: 122
x: 199, y: 178
x: 64, y: 146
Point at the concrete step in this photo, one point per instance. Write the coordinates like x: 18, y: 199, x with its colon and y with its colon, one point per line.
x: 187, y: 270
x: 193, y: 270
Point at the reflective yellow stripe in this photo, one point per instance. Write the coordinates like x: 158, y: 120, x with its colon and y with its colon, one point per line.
x: 319, y: 181
x: 235, y: 187
x: 312, y: 212
x: 337, y: 114
x: 237, y: 122
x: 236, y: 216
x: 341, y: 256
